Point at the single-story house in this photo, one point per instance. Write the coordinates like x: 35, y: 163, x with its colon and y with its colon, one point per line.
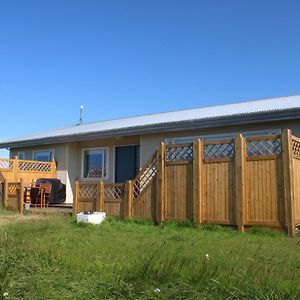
x: 115, y: 150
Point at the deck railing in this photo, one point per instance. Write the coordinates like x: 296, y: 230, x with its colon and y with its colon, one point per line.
x: 15, y: 169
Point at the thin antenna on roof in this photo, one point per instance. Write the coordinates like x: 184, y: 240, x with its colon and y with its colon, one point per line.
x: 81, y: 114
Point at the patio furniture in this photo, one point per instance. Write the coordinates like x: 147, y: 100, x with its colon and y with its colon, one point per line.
x: 45, y: 192
x: 58, y: 190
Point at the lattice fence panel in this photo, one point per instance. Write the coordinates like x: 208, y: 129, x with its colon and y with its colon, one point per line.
x: 221, y: 150
x: 145, y: 177
x: 112, y: 192
x: 175, y: 153
x: 296, y: 148
x: 87, y: 191
x: 13, y: 189
x: 6, y: 164
x: 96, y: 173
x: 264, y: 147
x: 34, y: 166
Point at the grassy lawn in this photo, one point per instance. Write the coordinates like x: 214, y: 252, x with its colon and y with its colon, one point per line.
x: 59, y: 259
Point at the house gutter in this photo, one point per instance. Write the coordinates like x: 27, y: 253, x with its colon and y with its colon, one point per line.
x: 264, y: 117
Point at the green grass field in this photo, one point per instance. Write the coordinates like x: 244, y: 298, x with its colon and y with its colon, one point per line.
x: 59, y: 259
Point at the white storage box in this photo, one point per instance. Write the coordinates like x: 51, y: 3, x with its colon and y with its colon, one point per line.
x: 93, y: 218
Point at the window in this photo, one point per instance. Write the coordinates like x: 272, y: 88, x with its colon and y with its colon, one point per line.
x: 95, y: 163
x: 42, y: 155
x: 21, y: 155
x: 186, y: 140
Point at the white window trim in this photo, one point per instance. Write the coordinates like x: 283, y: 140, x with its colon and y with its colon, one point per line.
x: 44, y: 150
x: 18, y: 154
x: 107, y: 164
x: 220, y: 136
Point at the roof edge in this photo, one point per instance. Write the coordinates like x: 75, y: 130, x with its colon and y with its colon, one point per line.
x: 264, y: 117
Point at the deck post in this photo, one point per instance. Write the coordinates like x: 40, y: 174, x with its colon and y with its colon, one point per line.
x: 53, y: 168
x: 5, y: 193
x: 128, y: 200
x: 76, y: 199
x: 160, y: 204
x: 100, y: 196
x: 240, y: 189
x: 197, y: 180
x: 21, y: 196
x: 288, y: 185
x: 15, y: 168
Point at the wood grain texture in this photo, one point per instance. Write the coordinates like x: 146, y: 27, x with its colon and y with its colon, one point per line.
x: 264, y: 191
x: 218, y: 193
x: 179, y: 192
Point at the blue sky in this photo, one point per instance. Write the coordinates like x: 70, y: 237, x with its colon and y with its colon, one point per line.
x: 122, y: 58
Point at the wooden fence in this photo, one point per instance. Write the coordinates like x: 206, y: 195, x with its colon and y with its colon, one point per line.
x: 15, y: 174
x: 13, y: 170
x: 241, y: 182
x: 13, y: 195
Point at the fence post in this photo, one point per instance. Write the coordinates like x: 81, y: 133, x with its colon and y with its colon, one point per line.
x: 100, y: 197
x: 76, y: 198
x: 15, y: 168
x: 288, y: 185
x: 21, y: 196
x: 53, y: 168
x: 197, y: 180
x: 5, y: 193
x: 128, y: 200
x: 160, y: 205
x: 240, y: 168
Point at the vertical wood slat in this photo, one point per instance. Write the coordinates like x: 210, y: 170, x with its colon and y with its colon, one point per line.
x: 21, y: 196
x: 100, y: 197
x: 16, y: 169
x: 289, y: 199
x: 197, y: 179
x: 128, y: 199
x: 240, y: 169
x: 53, y: 168
x: 76, y: 198
x: 160, y: 207
x: 5, y: 193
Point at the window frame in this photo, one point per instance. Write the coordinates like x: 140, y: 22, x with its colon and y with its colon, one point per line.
x: 107, y: 164
x: 23, y: 153
x: 51, y: 152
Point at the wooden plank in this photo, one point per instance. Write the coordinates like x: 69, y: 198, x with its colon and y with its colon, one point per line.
x: 197, y: 171
x: 179, y: 162
x: 160, y: 183
x: 259, y: 138
x: 265, y: 157
x: 179, y: 145
x: 288, y: 181
x: 228, y: 141
x: 293, y: 137
x: 21, y: 196
x: 218, y: 159
x: 100, y: 197
x: 240, y: 181
x: 5, y: 193
x: 76, y: 199
x: 128, y: 199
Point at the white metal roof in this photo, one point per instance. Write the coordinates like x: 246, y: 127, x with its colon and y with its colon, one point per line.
x: 209, y: 112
